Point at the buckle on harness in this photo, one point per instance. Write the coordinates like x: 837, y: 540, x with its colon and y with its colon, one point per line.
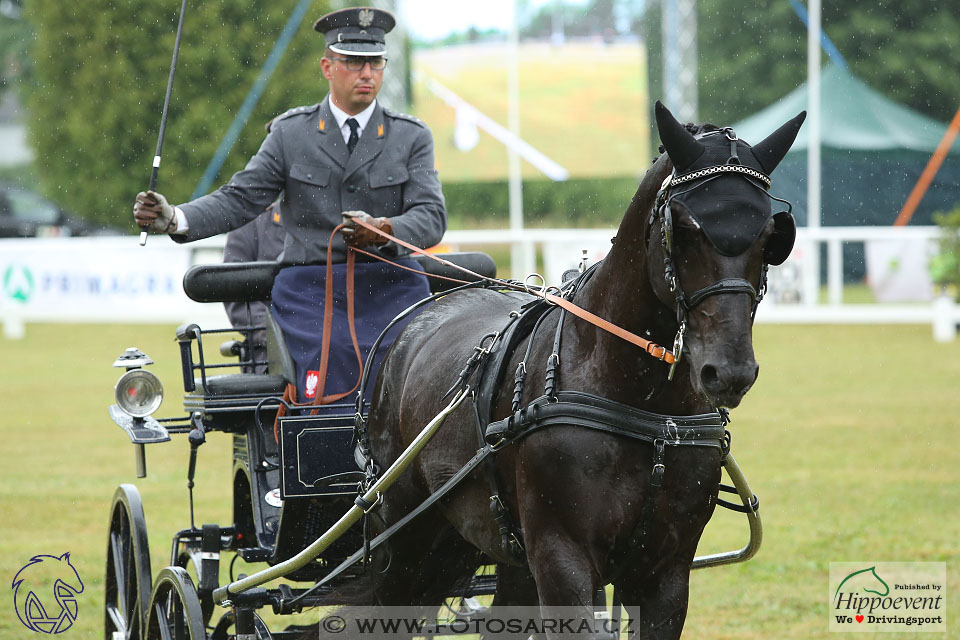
x: 366, y: 505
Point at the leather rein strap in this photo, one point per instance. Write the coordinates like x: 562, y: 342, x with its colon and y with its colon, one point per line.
x: 290, y: 393
x: 652, y: 348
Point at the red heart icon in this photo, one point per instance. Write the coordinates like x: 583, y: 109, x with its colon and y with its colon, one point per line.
x: 859, y: 618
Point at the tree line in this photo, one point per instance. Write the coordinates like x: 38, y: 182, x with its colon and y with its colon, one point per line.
x: 94, y: 75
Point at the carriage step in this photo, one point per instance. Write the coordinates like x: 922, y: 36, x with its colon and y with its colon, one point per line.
x: 255, y: 554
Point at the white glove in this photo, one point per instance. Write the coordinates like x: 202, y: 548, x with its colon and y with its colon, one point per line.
x: 154, y: 212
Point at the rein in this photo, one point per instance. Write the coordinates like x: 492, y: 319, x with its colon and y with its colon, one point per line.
x: 652, y: 348
x: 290, y: 392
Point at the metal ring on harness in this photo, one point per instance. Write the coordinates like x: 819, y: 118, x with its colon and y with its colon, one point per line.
x: 535, y: 291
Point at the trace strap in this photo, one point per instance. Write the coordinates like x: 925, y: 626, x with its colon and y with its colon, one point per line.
x: 655, y: 350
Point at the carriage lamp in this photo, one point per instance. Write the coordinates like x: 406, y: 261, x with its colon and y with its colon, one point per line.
x: 138, y: 393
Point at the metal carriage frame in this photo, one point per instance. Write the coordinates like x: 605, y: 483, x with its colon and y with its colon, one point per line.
x: 289, y: 493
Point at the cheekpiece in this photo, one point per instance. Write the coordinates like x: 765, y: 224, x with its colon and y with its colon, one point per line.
x: 356, y: 31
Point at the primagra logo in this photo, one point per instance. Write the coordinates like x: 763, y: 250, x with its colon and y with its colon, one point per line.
x: 17, y: 283
x: 888, y: 596
x: 45, y: 594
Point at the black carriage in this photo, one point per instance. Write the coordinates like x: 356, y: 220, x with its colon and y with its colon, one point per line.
x: 289, y: 486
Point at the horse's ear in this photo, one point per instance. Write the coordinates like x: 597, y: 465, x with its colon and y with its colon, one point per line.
x: 680, y: 144
x: 770, y: 151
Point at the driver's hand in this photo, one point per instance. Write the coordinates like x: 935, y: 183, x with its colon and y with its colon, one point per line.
x: 152, y: 210
x: 357, y: 236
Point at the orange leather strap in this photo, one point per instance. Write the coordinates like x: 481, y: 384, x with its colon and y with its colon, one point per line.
x: 652, y: 348
x: 290, y: 393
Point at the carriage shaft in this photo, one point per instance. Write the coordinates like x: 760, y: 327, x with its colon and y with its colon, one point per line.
x: 753, y: 518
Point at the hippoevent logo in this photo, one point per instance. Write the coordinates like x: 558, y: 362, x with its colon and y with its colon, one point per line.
x: 45, y: 594
x: 888, y: 596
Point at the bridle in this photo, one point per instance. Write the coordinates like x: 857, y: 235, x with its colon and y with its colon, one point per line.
x: 662, y: 210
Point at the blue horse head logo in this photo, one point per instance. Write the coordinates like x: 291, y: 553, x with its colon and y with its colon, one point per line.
x: 53, y: 614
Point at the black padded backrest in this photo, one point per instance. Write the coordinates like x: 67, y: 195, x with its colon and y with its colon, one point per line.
x: 479, y: 263
x: 230, y: 281
x: 250, y: 281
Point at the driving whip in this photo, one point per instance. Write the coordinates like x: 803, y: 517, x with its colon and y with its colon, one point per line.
x: 163, y: 116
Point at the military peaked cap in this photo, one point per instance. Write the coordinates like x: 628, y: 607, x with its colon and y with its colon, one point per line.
x: 356, y: 31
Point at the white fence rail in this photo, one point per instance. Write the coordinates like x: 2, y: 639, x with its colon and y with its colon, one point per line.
x: 116, y: 280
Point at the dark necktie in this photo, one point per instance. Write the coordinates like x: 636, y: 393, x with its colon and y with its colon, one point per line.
x: 354, y: 133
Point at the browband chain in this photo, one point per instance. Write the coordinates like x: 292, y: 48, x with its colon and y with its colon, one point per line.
x: 724, y: 168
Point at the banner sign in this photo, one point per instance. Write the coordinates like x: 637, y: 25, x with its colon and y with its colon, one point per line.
x: 96, y: 280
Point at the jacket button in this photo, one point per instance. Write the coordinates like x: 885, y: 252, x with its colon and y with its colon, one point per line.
x: 389, y: 178
x: 310, y: 175
x: 352, y: 188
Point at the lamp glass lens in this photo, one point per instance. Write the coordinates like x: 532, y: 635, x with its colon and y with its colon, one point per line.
x: 139, y: 393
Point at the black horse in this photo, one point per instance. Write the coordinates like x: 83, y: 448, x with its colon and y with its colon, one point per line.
x: 590, y: 499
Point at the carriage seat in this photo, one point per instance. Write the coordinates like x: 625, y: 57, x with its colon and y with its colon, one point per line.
x: 242, y: 383
x: 252, y: 281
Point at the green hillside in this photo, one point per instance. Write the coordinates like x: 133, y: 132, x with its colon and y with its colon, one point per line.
x: 584, y: 105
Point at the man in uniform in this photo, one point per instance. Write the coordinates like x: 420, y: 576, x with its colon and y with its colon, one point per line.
x: 342, y: 159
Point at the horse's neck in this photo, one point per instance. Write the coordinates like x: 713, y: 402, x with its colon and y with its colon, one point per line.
x: 620, y: 291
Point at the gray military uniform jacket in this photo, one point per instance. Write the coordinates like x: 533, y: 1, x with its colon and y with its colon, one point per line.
x: 261, y: 240
x: 390, y: 173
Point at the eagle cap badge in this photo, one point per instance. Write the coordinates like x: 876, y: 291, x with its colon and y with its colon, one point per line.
x: 365, y: 17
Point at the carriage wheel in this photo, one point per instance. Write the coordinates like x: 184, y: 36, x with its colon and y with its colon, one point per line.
x: 174, y: 612
x: 127, y: 582
x: 207, y: 606
x: 224, y: 629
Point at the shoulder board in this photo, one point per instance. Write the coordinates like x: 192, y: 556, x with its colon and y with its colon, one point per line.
x: 404, y: 116
x: 292, y: 112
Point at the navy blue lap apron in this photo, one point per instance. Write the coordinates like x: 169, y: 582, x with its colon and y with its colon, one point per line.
x: 381, y: 292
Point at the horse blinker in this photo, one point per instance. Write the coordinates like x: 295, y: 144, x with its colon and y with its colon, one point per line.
x: 780, y: 244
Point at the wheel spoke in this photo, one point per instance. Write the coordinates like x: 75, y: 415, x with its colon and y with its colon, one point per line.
x: 163, y: 620
x: 179, y: 620
x: 119, y: 622
x: 119, y: 571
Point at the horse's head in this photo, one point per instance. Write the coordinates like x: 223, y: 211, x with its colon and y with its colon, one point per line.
x: 711, y: 236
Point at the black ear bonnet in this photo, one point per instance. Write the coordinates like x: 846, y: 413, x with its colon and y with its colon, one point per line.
x: 722, y: 182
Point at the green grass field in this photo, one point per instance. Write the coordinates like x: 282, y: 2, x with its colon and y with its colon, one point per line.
x: 848, y: 438
x: 585, y: 106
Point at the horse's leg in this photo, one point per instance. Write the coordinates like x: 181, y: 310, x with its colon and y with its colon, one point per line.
x: 424, y: 562
x: 515, y: 587
x: 567, y: 583
x: 656, y: 603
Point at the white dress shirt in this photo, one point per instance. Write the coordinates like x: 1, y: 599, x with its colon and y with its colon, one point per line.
x: 342, y: 116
